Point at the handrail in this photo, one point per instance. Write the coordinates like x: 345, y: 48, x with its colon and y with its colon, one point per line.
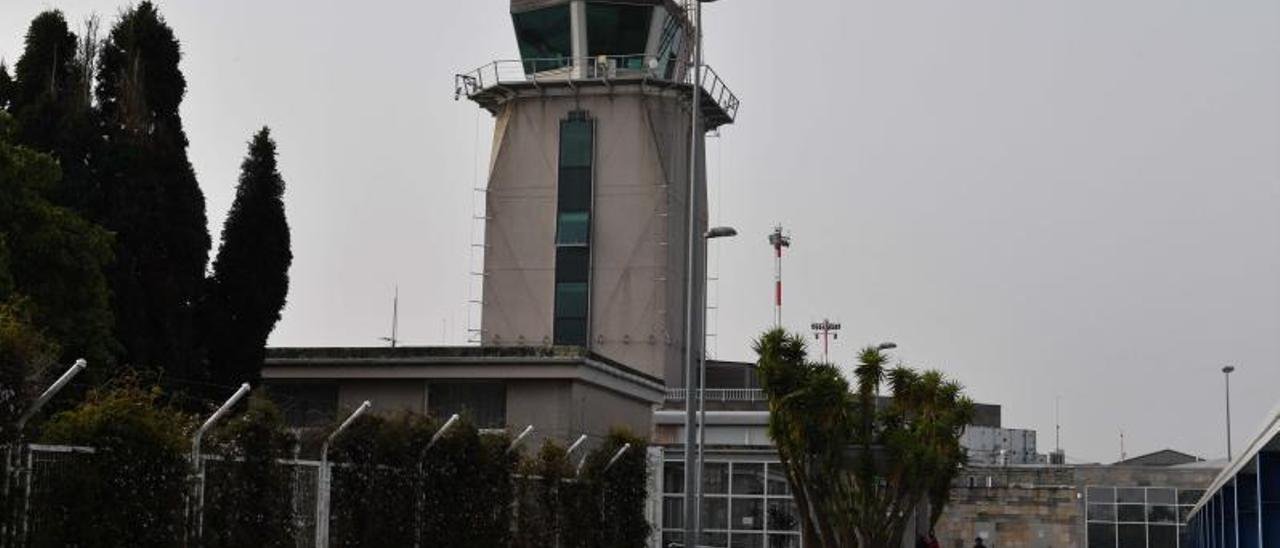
x: 720, y: 394
x: 602, y: 68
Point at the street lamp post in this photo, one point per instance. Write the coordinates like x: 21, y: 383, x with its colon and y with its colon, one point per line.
x: 1226, y: 374
x: 716, y: 232
x: 693, y: 329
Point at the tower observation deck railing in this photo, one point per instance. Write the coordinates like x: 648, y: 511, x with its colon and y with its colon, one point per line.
x: 490, y: 81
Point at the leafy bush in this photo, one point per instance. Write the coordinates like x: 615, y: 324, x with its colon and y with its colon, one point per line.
x: 129, y: 492
x: 605, y: 508
x: 623, y: 491
x: 374, y: 480
x: 389, y: 488
x: 248, y: 498
x: 538, y: 515
x: 392, y: 491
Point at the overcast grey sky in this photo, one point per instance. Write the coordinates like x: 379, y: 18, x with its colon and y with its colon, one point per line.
x: 1057, y: 198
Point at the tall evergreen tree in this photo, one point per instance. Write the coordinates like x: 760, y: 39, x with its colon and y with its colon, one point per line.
x: 6, y: 87
x: 152, y: 200
x: 45, y: 79
x: 54, y: 114
x: 55, y: 259
x: 251, y: 272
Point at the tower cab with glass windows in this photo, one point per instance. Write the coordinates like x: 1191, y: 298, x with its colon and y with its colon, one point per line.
x: 601, y: 41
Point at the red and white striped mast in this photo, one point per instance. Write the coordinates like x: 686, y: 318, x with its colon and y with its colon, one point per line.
x: 778, y: 240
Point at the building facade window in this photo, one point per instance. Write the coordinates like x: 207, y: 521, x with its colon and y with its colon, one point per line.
x: 305, y: 404
x: 1137, y: 517
x: 484, y: 404
x: 619, y: 30
x: 571, y: 323
x: 745, y: 504
x: 543, y: 36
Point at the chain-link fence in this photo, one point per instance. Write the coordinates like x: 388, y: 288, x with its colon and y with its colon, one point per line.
x: 39, y: 464
x: 62, y: 495
x: 36, y: 479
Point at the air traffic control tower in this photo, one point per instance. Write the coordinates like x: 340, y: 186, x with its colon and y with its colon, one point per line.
x: 587, y: 222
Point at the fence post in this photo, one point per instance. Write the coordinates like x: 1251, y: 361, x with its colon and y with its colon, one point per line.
x: 324, y: 479
x: 17, y: 528
x: 9, y: 521
x: 196, y: 514
x: 420, y: 500
x: 322, y: 505
x: 9, y: 513
x: 26, y: 496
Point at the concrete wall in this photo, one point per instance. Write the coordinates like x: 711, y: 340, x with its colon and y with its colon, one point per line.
x: 596, y: 411
x: 558, y: 408
x: 1042, y: 506
x: 638, y: 232
x: 544, y: 404
x: 1017, y: 516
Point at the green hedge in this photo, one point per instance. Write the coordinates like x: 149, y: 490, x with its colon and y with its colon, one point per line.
x: 130, y: 491
x: 388, y: 488
x: 248, y: 498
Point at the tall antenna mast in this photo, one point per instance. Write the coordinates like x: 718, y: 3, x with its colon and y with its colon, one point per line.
x: 395, y: 318
x: 1122, y: 453
x: 778, y: 240
x: 1057, y: 423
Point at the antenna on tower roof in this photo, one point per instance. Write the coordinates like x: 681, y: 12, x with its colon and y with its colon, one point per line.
x: 1057, y: 423
x: 395, y: 318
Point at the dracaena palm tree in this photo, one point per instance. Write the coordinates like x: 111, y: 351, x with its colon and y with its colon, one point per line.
x: 859, y: 464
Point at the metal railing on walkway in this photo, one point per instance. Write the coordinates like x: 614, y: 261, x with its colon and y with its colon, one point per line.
x: 603, y: 68
x: 720, y: 394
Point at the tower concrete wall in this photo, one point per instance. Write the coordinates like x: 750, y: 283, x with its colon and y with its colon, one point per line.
x: 638, y: 232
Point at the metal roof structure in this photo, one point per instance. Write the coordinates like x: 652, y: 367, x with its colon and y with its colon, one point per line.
x: 1241, y: 508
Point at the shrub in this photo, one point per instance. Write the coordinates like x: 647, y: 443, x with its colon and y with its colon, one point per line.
x: 129, y: 492
x: 605, y: 508
x: 248, y: 498
x: 538, y: 516
x: 389, y: 490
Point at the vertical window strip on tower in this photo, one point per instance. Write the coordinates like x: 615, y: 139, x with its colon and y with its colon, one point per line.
x: 573, y: 231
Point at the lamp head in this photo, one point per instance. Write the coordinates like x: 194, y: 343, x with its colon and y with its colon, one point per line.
x: 1228, y: 369
x: 721, y: 232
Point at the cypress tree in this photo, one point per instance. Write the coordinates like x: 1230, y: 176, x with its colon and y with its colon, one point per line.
x: 6, y: 87
x: 152, y: 200
x: 56, y: 259
x: 251, y: 272
x: 54, y: 114
x: 45, y: 79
